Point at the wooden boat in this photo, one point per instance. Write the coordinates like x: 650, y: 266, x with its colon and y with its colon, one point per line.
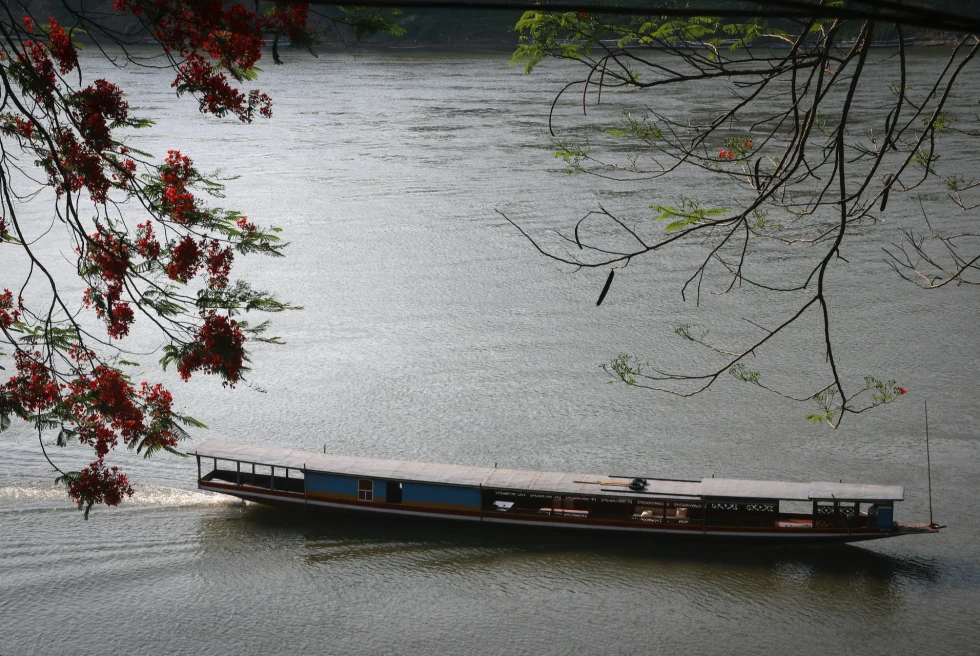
x: 709, y: 508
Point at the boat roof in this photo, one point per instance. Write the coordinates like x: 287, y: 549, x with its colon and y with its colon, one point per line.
x: 543, y: 482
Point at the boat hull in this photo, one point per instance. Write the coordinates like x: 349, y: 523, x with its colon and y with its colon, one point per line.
x: 691, y: 531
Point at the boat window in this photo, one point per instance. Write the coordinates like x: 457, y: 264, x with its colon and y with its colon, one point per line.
x: 365, y: 490
x: 796, y: 508
x: 617, y: 508
x: 393, y: 493
x: 649, y: 511
x: 535, y: 503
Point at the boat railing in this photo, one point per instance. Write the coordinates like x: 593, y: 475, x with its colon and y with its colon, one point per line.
x: 244, y: 480
x: 844, y: 519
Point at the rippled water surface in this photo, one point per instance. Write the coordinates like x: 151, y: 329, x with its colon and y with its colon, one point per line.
x: 432, y: 331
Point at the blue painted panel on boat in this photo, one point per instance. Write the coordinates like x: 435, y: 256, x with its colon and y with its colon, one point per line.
x: 884, y: 516
x: 380, y: 489
x: 331, y: 483
x: 442, y: 494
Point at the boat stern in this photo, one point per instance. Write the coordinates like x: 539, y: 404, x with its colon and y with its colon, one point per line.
x: 916, y: 528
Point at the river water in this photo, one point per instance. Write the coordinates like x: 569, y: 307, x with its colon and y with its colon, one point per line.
x: 433, y: 331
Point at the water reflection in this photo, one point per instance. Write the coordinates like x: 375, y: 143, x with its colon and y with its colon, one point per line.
x: 326, y: 537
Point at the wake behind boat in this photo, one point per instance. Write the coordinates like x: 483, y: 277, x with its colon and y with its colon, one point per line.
x: 817, y: 512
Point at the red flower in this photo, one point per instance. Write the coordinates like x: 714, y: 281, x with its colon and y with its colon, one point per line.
x: 36, y: 72
x: 24, y: 128
x: 120, y: 315
x: 186, y: 260
x: 158, y: 402
x: 32, y: 387
x: 110, y: 255
x: 61, y: 47
x: 208, y: 32
x: 99, y: 484
x: 583, y: 15
x: 723, y: 154
x: 218, y: 349
x: 902, y: 390
x: 177, y: 171
x: 98, y: 107
x: 289, y: 19
x: 117, y: 314
x: 74, y: 165
x: 7, y: 319
x: 146, y: 243
x: 747, y: 144
x: 218, y: 263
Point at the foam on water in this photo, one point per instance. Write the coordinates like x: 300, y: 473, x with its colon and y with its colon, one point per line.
x: 145, y: 495
x: 158, y: 495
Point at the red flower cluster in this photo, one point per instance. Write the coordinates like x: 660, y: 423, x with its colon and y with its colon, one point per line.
x: 186, y: 260
x: 146, y: 242
x: 218, y: 349
x: 80, y: 354
x: 7, y: 319
x: 902, y: 390
x: 118, y: 315
x: 96, y: 108
x: 99, y: 484
x: 34, y: 71
x: 32, y: 388
x: 735, y: 147
x: 176, y: 172
x: 126, y: 170
x: 105, y: 406
x: 158, y: 404
x: 218, y: 262
x: 229, y: 34
x: 61, y: 47
x: 110, y: 255
x: 16, y: 125
x: 102, y: 405
x: 112, y: 258
x: 73, y: 166
x: 287, y: 19
x: 248, y: 229
x: 263, y: 102
x: 214, y: 94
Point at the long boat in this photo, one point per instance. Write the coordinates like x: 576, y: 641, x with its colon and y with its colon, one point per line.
x: 710, y: 508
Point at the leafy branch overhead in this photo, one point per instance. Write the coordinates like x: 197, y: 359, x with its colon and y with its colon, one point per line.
x: 804, y: 155
x: 147, y: 242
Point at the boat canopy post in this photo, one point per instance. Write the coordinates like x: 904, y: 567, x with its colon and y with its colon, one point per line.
x: 929, y: 465
x: 238, y: 473
x: 199, y: 469
x: 272, y: 477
